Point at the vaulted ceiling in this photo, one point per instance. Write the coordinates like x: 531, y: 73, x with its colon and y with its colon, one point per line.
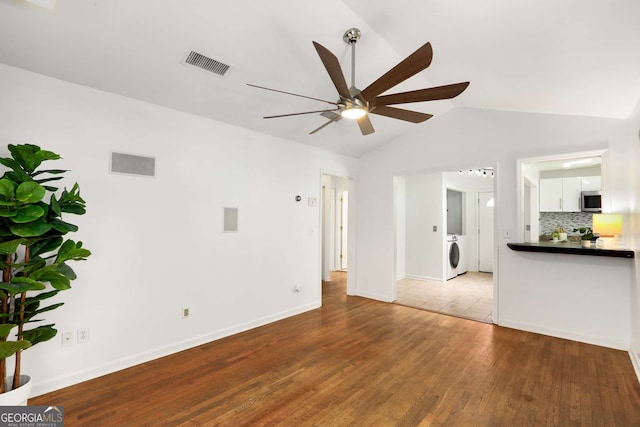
x: 575, y: 57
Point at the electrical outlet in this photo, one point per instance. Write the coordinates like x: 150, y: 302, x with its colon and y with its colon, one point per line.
x: 67, y: 339
x: 83, y: 335
x: 185, y: 312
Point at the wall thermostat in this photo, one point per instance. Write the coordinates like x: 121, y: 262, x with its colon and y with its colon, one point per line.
x: 298, y: 198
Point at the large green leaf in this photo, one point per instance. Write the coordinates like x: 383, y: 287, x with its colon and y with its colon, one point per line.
x: 18, y: 174
x: 5, y: 329
x: 51, y: 171
x: 58, y: 280
x: 67, y: 271
x: 9, y: 348
x: 30, y: 192
x: 28, y: 213
x: 7, y: 212
x: 62, y: 226
x: 41, y: 296
x: 15, y: 288
x: 34, y: 264
x: 30, y: 156
x: 10, y: 247
x: 7, y: 188
x: 72, y: 250
x: 31, y: 314
x: 53, y: 178
x: 55, y: 206
x: 40, y: 334
x: 30, y: 229
x: 45, y: 245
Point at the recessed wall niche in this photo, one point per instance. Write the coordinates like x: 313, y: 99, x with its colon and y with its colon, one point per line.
x: 230, y: 220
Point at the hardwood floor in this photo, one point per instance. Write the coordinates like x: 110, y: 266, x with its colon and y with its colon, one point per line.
x: 361, y: 362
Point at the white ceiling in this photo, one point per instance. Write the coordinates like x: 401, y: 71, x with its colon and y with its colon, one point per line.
x: 578, y: 57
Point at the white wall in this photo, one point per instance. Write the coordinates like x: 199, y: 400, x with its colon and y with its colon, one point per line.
x: 425, y: 207
x: 157, y: 242
x: 576, y: 297
x: 400, y: 220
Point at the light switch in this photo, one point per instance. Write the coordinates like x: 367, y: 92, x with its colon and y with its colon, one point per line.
x: 507, y: 233
x: 313, y: 202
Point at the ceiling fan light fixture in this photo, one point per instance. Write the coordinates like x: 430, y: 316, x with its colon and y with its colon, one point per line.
x: 354, y: 112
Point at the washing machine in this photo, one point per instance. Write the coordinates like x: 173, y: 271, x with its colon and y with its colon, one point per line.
x: 453, y: 256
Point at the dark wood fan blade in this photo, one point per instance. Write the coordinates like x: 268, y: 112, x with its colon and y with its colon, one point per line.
x: 294, y: 94
x: 332, y: 120
x: 430, y: 94
x: 333, y: 68
x: 296, y: 114
x: 398, y: 113
x: 412, y: 64
x: 365, y: 125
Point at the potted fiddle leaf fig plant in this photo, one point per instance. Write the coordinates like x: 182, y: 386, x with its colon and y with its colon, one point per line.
x: 34, y: 255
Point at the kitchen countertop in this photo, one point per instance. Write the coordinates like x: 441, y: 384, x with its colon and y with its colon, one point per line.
x: 570, y: 248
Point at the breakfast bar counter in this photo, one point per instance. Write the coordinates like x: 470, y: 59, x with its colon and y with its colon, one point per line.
x: 570, y: 248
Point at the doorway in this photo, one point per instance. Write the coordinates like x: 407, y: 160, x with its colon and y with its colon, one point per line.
x: 335, y: 228
x: 427, y: 228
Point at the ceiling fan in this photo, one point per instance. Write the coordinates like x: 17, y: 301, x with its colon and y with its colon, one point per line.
x: 357, y: 104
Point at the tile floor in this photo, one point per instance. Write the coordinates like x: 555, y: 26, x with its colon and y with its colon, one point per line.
x: 469, y: 295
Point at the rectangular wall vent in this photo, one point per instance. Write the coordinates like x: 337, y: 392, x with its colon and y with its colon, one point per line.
x: 133, y: 165
x: 201, y: 61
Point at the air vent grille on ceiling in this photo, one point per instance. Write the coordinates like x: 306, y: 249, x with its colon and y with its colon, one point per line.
x: 198, y: 60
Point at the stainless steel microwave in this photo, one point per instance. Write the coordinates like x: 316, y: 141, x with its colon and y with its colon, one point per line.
x: 591, y: 201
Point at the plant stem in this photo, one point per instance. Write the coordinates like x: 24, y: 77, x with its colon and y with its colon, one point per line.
x: 23, y: 299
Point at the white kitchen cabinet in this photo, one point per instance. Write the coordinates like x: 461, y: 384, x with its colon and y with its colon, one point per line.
x: 551, y: 195
x: 591, y: 183
x: 560, y: 194
x: 571, y: 188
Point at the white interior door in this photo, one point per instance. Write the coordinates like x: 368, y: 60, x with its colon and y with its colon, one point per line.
x: 485, y: 231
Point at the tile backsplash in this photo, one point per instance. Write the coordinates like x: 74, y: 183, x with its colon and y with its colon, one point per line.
x: 549, y: 221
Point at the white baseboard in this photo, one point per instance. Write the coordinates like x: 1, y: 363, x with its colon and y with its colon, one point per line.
x: 433, y: 279
x: 635, y: 360
x: 146, y: 356
x: 377, y: 297
x: 559, y: 333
